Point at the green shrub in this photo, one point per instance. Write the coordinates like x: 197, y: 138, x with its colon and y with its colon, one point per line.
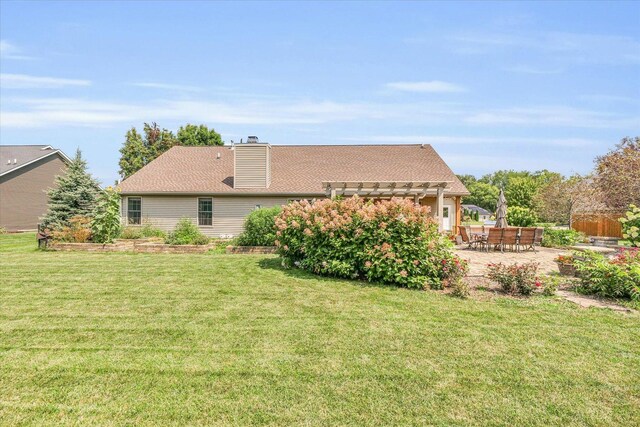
x: 521, y: 217
x: 515, y: 279
x: 186, y: 233
x: 148, y: 230
x: 78, y: 230
x: 560, y: 238
x: 631, y: 225
x: 618, y: 277
x: 106, y: 224
x: 3, y: 230
x: 259, y: 227
x: 131, y: 233
x: 550, y: 284
x: 390, y: 241
x: 544, y: 224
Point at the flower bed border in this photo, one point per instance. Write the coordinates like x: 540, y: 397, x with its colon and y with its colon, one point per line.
x: 148, y: 245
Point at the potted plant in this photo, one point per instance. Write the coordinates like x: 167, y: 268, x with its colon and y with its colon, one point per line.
x: 565, y: 265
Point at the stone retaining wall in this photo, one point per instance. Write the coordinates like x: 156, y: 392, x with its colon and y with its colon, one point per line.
x: 263, y: 250
x: 137, y: 246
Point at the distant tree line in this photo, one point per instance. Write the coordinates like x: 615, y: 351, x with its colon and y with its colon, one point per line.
x: 140, y: 148
x: 549, y: 196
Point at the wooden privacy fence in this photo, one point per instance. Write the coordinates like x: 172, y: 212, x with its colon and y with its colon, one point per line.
x: 598, y: 224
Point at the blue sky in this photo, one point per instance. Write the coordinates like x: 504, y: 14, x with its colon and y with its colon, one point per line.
x: 490, y: 85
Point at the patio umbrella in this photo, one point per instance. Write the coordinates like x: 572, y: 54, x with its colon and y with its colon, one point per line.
x: 501, y: 211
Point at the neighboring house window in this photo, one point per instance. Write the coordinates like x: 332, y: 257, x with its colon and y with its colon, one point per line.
x: 134, y: 210
x: 205, y: 212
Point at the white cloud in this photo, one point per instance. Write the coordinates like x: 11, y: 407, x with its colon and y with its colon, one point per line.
x: 167, y: 86
x: 24, y: 81
x: 553, y: 116
x: 433, y: 86
x: 30, y: 112
x: 472, y: 140
x: 528, y: 69
x: 11, y: 51
x: 565, y: 47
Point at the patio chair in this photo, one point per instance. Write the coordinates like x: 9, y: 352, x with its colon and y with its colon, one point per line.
x: 465, y: 234
x: 510, y: 238
x: 494, y: 238
x: 528, y: 238
x: 538, y: 236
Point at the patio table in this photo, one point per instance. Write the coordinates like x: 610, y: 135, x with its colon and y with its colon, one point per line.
x: 480, y: 235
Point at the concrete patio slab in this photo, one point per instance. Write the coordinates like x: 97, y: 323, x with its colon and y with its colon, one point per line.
x: 478, y: 260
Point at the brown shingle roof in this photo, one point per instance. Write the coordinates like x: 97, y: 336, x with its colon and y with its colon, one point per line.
x: 295, y: 169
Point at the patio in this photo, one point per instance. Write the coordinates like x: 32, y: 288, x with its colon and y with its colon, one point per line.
x: 478, y: 260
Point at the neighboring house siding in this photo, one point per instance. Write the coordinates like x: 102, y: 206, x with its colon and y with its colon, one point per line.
x: 228, y: 212
x: 23, y: 198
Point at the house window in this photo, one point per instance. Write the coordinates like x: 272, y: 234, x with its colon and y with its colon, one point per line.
x: 205, y: 212
x: 257, y: 207
x: 134, y: 210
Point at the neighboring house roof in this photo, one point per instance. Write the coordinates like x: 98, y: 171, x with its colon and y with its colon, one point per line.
x: 295, y: 169
x: 14, y: 157
x: 481, y: 211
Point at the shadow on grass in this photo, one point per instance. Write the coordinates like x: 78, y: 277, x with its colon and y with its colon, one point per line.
x: 276, y: 264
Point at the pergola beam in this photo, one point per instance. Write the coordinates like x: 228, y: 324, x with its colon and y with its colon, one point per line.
x: 384, y: 188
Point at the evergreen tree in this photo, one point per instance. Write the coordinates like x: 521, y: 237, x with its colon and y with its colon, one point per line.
x: 74, y: 193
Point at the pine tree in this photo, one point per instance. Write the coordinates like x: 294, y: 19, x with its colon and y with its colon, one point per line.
x: 74, y: 193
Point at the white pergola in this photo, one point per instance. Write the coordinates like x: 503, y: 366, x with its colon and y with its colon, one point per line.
x: 387, y: 189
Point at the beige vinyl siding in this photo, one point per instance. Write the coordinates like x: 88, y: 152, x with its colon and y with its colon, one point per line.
x: 252, y: 166
x: 229, y: 213
x: 164, y: 212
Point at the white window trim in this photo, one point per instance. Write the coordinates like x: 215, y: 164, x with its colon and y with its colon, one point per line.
x: 198, y: 212
x: 126, y: 210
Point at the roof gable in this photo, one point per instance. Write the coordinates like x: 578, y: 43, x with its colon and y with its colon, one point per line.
x: 14, y: 157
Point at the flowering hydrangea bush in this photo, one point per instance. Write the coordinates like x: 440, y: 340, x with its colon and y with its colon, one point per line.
x: 631, y: 225
x: 390, y: 241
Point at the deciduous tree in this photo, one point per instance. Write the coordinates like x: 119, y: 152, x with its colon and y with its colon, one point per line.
x: 618, y: 174
x: 192, y: 135
x: 139, y: 150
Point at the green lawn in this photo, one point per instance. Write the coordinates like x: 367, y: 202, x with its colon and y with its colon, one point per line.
x: 116, y: 339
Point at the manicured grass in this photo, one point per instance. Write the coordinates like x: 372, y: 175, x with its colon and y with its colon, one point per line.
x: 115, y: 339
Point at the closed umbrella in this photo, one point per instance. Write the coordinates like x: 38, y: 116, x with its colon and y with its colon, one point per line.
x: 501, y: 211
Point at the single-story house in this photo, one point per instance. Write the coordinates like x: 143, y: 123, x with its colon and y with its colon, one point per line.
x: 26, y: 173
x: 483, y: 214
x: 218, y: 186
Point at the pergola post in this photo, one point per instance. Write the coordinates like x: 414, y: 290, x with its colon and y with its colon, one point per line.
x: 416, y: 200
x: 333, y: 193
x: 440, y: 207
